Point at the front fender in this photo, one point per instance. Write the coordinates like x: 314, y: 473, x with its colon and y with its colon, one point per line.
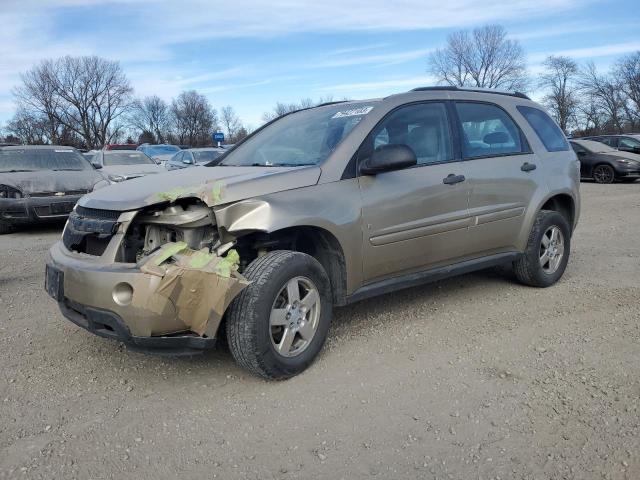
x: 334, y: 207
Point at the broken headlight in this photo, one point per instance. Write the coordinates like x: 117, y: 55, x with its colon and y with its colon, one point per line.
x: 192, y: 223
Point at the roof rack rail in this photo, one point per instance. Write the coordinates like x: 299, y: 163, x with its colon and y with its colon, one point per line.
x: 471, y: 89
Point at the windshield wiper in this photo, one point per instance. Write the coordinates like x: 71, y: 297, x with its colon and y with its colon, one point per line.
x: 16, y: 170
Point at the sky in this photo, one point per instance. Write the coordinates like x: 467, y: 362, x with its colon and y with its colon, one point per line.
x: 251, y: 54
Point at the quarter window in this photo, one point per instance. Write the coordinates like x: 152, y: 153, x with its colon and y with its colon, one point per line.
x: 487, y: 131
x: 422, y: 127
x: 547, y: 130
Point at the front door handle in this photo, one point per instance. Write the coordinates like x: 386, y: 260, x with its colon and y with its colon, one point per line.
x: 451, y: 179
x: 528, y: 167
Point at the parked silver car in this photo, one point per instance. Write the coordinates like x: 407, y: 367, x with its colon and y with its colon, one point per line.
x: 120, y: 165
x: 194, y: 157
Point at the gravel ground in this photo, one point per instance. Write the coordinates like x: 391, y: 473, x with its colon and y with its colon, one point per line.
x: 472, y: 378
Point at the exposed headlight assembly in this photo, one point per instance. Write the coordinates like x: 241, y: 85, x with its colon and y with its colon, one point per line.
x: 117, y: 178
x: 7, y: 191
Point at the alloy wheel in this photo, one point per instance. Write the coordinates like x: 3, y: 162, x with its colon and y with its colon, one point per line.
x: 294, y: 318
x: 603, y: 174
x: 551, y: 249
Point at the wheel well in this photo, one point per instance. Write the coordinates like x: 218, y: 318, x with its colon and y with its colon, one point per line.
x: 564, y: 205
x: 315, y: 241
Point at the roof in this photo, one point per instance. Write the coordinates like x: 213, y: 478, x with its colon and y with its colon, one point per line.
x: 37, y: 147
x: 471, y: 89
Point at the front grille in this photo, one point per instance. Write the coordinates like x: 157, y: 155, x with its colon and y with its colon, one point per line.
x: 53, y: 194
x: 97, y: 213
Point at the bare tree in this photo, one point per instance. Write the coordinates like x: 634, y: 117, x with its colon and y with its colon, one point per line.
x: 152, y: 115
x: 559, y: 81
x: 604, y: 98
x: 230, y: 123
x: 30, y: 128
x: 86, y: 95
x: 193, y: 118
x: 484, y: 58
x: 627, y: 71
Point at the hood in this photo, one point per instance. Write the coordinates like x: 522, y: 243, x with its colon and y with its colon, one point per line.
x: 620, y: 154
x: 132, y: 170
x: 214, y: 185
x: 42, y: 181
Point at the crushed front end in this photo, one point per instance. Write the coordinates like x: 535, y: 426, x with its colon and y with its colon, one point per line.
x: 158, y: 279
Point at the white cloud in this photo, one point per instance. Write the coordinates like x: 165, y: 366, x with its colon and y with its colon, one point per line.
x: 590, y: 52
x: 383, y: 59
x: 386, y: 86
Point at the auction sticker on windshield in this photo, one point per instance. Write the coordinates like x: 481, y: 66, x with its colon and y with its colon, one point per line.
x: 354, y: 112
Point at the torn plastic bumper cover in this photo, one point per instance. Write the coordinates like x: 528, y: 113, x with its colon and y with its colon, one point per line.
x: 172, y: 301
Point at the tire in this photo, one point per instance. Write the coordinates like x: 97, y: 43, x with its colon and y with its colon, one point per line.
x: 530, y: 269
x: 254, y: 342
x: 5, y: 228
x: 604, y: 173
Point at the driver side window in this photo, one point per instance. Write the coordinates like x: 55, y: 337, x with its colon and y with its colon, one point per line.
x: 422, y: 127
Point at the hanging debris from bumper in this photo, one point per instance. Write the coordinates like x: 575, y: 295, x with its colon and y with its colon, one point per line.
x: 200, y: 285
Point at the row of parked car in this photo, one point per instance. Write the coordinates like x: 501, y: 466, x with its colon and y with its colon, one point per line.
x: 125, y: 161
x: 44, y: 182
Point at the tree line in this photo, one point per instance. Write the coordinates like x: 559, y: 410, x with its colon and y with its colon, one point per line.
x: 89, y: 102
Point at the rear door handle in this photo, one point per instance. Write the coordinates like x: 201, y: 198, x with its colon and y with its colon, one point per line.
x: 451, y: 179
x: 528, y: 167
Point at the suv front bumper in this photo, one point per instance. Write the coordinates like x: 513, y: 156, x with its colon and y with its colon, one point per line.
x: 87, y: 292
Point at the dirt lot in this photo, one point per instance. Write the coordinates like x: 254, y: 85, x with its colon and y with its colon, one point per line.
x: 476, y: 377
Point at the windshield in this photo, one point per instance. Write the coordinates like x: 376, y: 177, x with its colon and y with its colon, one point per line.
x: 303, y: 138
x: 42, y: 159
x: 204, y: 156
x: 160, y: 150
x: 126, y: 158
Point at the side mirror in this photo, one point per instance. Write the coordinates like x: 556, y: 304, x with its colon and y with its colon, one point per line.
x: 187, y: 161
x: 389, y: 157
x: 96, y: 165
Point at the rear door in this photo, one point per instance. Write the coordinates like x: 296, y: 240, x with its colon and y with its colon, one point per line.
x: 502, y: 175
x: 412, y: 220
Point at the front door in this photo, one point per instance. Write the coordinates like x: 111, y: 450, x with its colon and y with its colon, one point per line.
x: 412, y: 219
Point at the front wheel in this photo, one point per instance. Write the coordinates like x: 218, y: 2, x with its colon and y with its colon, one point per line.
x: 547, y: 253
x: 278, y: 324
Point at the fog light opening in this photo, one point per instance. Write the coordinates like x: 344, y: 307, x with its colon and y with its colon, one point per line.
x: 122, y: 294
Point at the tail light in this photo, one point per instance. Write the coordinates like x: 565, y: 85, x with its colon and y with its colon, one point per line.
x: 10, y: 192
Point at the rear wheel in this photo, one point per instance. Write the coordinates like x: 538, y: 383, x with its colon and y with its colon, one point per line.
x: 278, y: 324
x: 604, y: 174
x: 547, y: 253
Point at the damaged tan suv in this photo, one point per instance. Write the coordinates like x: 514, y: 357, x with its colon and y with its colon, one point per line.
x: 320, y: 208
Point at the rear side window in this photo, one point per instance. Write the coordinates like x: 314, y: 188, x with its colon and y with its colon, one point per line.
x: 546, y: 129
x: 488, y: 131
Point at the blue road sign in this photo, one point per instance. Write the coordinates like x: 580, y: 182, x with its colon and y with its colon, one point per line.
x: 218, y: 137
